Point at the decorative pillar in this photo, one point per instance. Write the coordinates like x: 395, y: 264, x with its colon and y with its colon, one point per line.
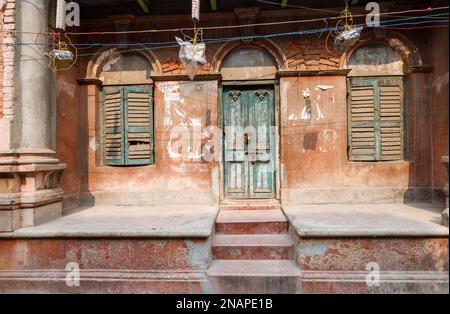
x: 30, y: 174
x: 445, y: 212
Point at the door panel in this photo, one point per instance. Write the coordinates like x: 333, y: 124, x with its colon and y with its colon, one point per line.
x: 249, y: 120
x: 235, y: 164
x: 262, y: 165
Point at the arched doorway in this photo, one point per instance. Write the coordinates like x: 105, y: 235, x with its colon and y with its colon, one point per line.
x: 249, y: 119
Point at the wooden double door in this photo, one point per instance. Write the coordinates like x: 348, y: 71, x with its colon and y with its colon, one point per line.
x: 249, y: 142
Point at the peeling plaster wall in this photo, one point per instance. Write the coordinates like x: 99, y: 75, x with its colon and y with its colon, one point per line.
x: 71, y: 133
x: 171, y: 179
x: 440, y: 114
x: 313, y: 156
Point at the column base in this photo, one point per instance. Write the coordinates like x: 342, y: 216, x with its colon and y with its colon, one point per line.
x: 445, y: 217
x: 30, y: 191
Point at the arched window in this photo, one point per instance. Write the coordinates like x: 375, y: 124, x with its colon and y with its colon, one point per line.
x: 248, y: 63
x: 375, y: 105
x: 127, y: 107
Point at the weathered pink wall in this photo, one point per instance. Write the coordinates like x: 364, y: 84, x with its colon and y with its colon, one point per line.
x: 315, y: 155
x: 440, y: 104
x: 167, y: 174
x: 70, y: 131
x: 312, y: 155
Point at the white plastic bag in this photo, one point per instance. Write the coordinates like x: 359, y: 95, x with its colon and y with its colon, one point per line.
x: 347, y: 39
x: 192, y: 56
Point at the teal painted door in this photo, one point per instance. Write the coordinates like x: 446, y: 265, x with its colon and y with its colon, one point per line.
x: 249, y: 142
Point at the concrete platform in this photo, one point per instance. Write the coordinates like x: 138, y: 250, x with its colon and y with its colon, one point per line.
x: 127, y: 221
x: 380, y: 220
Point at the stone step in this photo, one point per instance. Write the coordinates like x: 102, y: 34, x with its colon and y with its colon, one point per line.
x: 251, y: 222
x: 253, y: 247
x: 254, y: 276
x: 251, y: 205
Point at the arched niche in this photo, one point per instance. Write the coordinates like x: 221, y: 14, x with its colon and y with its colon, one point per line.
x: 121, y: 67
x: 248, y: 63
x: 258, y: 60
x: 375, y: 59
x: 404, y: 49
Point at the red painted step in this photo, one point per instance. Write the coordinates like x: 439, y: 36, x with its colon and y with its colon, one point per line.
x: 253, y: 247
x: 251, y: 222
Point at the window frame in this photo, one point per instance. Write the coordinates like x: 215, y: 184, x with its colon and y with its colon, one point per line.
x: 378, y: 119
x: 125, y: 161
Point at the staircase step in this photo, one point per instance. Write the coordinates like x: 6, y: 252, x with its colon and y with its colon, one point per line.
x: 253, y: 247
x: 258, y: 268
x: 254, y: 276
x: 251, y: 222
x: 250, y: 205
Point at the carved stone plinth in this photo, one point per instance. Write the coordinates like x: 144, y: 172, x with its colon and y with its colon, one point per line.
x: 30, y: 191
x: 445, y: 212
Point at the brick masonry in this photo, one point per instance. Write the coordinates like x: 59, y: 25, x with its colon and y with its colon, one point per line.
x: 7, y: 27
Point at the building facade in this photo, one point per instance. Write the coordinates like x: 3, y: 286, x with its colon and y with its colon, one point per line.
x: 284, y: 165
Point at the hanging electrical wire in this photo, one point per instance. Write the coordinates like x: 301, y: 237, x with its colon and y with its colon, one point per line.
x: 443, y: 18
x: 443, y: 23
x: 278, y: 23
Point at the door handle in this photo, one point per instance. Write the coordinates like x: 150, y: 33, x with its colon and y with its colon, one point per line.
x: 253, y: 162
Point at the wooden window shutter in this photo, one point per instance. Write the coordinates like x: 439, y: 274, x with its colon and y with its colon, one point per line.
x: 113, y: 144
x: 375, y: 119
x: 391, y: 119
x: 362, y: 120
x: 128, y: 125
x: 138, y: 125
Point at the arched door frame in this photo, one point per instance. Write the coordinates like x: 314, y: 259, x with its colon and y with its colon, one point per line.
x: 276, y: 53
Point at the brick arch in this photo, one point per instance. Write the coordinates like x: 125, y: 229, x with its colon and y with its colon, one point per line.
x: 264, y: 44
x: 402, y: 45
x: 104, y: 55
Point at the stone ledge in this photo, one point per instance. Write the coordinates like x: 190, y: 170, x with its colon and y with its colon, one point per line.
x: 373, y: 220
x: 348, y: 282
x: 105, y: 281
x: 365, y: 195
x: 128, y: 222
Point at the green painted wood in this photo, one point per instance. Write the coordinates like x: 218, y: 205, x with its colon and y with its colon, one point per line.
x: 213, y: 4
x: 249, y: 166
x: 110, y: 91
x: 133, y: 130
x: 144, y: 6
x: 262, y: 165
x: 388, y: 114
x: 137, y: 138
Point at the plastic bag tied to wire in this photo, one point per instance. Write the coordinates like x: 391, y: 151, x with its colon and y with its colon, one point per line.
x: 61, y: 55
x: 347, y: 38
x: 192, y: 56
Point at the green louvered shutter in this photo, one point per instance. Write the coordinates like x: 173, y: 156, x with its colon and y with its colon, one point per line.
x: 128, y: 125
x: 375, y: 119
x: 391, y: 119
x: 113, y: 144
x: 138, y: 125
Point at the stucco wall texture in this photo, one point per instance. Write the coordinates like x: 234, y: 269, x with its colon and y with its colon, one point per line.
x: 312, y: 155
